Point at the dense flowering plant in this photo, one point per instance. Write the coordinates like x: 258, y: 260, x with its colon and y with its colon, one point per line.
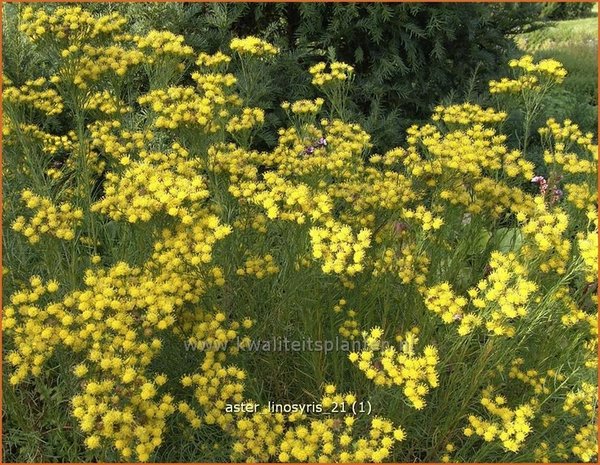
x: 153, y: 225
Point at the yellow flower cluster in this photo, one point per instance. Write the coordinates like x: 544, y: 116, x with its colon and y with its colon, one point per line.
x: 135, y: 428
x: 487, y: 197
x: 95, y: 62
x: 514, y: 86
x: 467, y: 113
x: 163, y: 43
x: 341, y: 251
x: 50, y: 143
x: 241, y: 167
x: 568, y: 136
x: 472, y: 152
x: 317, y: 444
x: 586, y: 396
x: 71, y: 23
x: 405, y: 262
x: 533, y: 75
x: 304, y: 107
x: 532, y: 376
x: 338, y: 72
x: 257, y: 437
x: 446, y: 458
x: 470, y: 165
x: 423, y: 217
x: 581, y: 196
x: 389, y: 367
x: 116, y: 143
x: 544, y: 237
x: 253, y: 46
x: 349, y: 328
x: 189, y: 245
x: 511, y: 426
x: 56, y: 220
x: 583, y: 403
x: 106, y: 103
x: 498, y: 300
x: 95, y: 164
x: 34, y: 93
x: 548, y: 67
x: 573, y: 314
x: 297, y: 155
x: 374, y: 192
x: 212, y: 61
x: 266, y: 436
x: 158, y: 182
x: 288, y: 201
x: 217, y: 384
x: 26, y: 304
x: 259, y: 266
x: 214, y: 87
x: 250, y: 118
x: 506, y: 293
x: 586, y: 442
x: 588, y: 249
x: 177, y: 106
x: 347, y: 136
x: 543, y: 454
x: 182, y: 106
x: 118, y: 402
x: 442, y: 300
x: 566, y: 132
x: 391, y: 157
x: 105, y: 313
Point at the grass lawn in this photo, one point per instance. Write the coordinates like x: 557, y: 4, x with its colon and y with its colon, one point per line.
x: 575, y: 44
x: 561, y: 33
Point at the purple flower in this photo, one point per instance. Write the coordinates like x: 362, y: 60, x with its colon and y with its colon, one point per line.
x: 557, y: 193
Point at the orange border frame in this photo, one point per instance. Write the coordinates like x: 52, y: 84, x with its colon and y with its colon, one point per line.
x: 2, y: 2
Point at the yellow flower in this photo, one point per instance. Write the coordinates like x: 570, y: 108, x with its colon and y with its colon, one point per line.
x: 253, y: 46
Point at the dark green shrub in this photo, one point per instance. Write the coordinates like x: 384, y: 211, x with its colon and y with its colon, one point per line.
x: 407, y: 56
x: 566, y: 10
